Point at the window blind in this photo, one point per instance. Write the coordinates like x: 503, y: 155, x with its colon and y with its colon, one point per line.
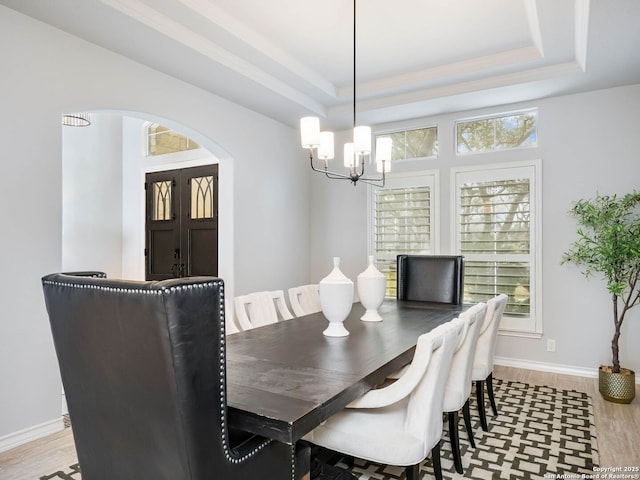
x: 402, y: 224
x: 495, y: 238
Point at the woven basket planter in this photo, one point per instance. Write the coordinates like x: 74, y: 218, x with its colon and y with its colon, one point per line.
x: 617, y: 387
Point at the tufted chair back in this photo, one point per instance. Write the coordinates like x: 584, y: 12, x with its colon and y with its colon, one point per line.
x: 144, y: 373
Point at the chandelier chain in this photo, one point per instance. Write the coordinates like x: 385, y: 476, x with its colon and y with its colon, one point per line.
x: 354, y: 64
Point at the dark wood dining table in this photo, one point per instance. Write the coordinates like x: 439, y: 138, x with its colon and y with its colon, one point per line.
x: 284, y: 379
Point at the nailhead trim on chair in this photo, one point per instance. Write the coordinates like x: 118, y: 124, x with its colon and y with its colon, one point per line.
x: 228, y: 452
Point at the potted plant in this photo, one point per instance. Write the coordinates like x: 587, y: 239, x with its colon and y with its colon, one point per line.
x: 609, y: 244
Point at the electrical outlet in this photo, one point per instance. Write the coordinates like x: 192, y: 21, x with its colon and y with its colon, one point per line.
x: 551, y: 345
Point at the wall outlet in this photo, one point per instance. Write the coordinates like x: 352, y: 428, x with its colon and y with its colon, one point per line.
x: 551, y: 345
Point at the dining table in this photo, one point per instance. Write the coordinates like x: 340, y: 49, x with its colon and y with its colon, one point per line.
x: 285, y: 378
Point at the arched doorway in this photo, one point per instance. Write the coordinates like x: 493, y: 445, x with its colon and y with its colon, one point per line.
x: 104, y: 167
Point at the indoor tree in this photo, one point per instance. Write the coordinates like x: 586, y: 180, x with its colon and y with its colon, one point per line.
x: 609, y: 244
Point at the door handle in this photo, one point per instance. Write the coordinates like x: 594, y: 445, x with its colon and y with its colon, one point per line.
x: 175, y: 270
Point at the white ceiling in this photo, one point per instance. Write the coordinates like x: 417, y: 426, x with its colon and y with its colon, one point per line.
x: 290, y: 58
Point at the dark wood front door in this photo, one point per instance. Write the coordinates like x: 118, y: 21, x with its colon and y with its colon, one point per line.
x: 182, y: 223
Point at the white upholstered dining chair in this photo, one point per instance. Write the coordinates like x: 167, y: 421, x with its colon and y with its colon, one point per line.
x: 458, y: 385
x: 261, y: 308
x: 398, y: 424
x: 304, y: 299
x: 482, y: 371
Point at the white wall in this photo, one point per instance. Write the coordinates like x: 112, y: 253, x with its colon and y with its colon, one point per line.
x: 92, y: 196
x: 587, y: 143
x: 47, y: 72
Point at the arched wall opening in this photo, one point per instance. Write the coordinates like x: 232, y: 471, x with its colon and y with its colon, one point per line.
x: 103, y: 211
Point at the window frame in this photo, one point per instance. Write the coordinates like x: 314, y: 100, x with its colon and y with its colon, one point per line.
x: 383, y: 133
x: 532, y: 169
x: 179, y: 156
x: 489, y: 117
x: 430, y: 178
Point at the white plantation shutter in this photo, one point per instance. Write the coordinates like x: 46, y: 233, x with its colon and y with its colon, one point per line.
x: 496, y: 230
x: 402, y: 214
x: 403, y: 219
x: 494, y: 217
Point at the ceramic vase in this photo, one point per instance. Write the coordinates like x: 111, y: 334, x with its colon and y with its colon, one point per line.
x: 336, y: 300
x: 371, y: 288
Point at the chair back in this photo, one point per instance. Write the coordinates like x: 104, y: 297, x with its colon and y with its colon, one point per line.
x: 261, y: 308
x: 487, y: 338
x: 87, y: 273
x: 431, y: 278
x: 423, y: 418
x: 458, y: 386
x: 143, y: 369
x: 304, y: 299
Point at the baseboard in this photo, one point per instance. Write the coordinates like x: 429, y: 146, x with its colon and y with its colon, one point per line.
x: 21, y: 437
x: 551, y: 367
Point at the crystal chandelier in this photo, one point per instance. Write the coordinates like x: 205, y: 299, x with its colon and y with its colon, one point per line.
x: 356, y: 153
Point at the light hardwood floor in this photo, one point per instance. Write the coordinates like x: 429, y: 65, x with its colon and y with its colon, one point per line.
x: 617, y: 427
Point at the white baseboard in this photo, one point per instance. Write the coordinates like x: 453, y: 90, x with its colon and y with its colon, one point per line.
x: 551, y: 367
x: 21, y: 437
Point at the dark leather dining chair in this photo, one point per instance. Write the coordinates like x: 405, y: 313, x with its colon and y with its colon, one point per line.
x: 87, y: 273
x: 144, y: 373
x: 431, y: 278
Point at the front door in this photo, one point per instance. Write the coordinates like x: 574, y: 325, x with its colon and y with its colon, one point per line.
x: 182, y: 223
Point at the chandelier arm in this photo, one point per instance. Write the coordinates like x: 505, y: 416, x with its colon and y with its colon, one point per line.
x: 335, y: 175
x: 328, y: 173
x: 371, y: 181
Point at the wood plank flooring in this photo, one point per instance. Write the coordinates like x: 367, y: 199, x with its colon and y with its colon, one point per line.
x: 617, y: 426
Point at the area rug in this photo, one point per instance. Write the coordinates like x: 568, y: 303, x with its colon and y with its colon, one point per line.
x: 540, y: 432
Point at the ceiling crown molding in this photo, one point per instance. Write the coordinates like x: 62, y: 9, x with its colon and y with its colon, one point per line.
x: 174, y: 30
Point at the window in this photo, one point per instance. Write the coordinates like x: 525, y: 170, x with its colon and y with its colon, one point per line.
x: 503, y: 132
x: 418, y: 143
x: 403, y: 217
x: 161, y: 140
x: 497, y: 231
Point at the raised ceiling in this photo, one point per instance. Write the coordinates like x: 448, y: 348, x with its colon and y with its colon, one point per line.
x: 289, y: 58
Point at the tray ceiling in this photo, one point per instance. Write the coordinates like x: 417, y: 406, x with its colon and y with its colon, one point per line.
x: 289, y: 58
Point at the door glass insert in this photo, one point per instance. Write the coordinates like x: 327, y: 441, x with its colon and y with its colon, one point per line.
x: 202, y: 197
x: 162, y: 200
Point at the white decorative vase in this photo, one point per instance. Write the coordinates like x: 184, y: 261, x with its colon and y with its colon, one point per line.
x: 336, y: 300
x: 371, y: 288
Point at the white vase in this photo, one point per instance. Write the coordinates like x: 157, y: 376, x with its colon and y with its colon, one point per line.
x: 371, y: 288
x: 336, y: 300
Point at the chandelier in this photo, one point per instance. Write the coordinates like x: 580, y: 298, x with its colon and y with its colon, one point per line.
x: 76, y: 120
x: 357, y: 152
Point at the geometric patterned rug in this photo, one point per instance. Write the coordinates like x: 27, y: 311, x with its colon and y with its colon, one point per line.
x: 72, y: 473
x: 540, y: 432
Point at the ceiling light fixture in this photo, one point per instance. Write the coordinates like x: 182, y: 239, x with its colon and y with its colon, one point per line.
x: 355, y: 152
x: 76, y: 120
